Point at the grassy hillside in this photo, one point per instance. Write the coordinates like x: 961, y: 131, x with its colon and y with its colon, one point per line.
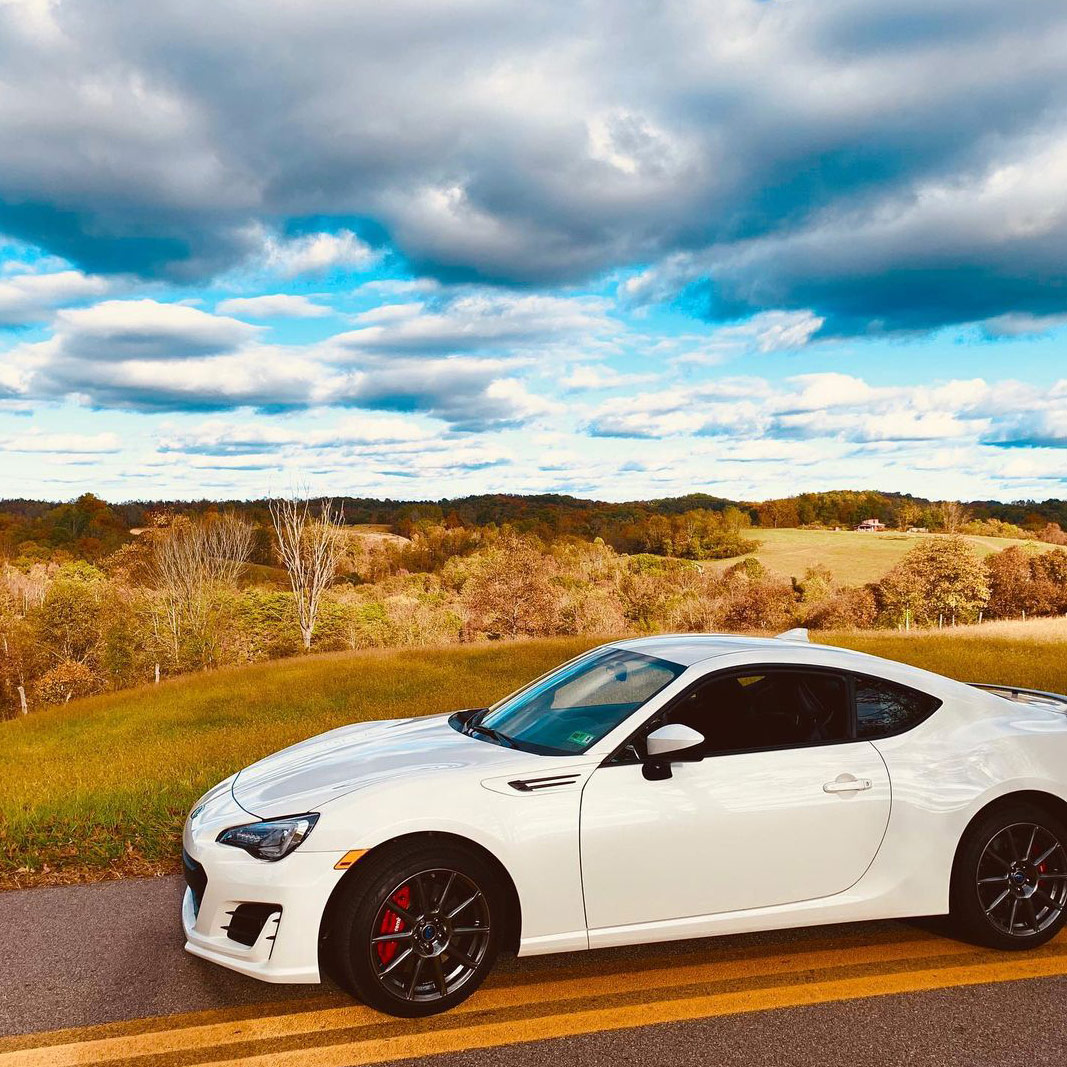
x: 853, y: 558
x: 100, y: 787
x: 104, y: 783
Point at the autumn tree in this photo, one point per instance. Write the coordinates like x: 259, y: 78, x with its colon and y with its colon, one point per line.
x: 192, y: 561
x: 309, y: 544
x: 509, y: 592
x: 940, y: 578
x: 908, y: 514
x: 1011, y: 585
x: 952, y: 516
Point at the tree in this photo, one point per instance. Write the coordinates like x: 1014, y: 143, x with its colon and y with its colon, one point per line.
x: 908, y: 514
x: 192, y: 560
x: 952, y: 516
x: 940, y: 578
x: 509, y: 592
x: 1010, y: 583
x: 310, y: 547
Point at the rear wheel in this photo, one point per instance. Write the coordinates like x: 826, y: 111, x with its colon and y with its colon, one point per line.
x: 1010, y: 883
x: 418, y: 928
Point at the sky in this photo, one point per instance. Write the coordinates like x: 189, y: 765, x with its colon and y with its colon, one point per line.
x: 617, y: 249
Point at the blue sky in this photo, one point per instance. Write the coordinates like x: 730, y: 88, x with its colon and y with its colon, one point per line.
x: 745, y: 247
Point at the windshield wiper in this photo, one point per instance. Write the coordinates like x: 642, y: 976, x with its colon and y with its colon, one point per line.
x: 488, y: 731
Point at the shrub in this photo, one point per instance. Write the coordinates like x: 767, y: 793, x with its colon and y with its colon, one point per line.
x: 848, y: 608
x: 65, y: 681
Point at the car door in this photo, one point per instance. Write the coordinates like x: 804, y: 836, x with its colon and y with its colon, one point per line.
x: 785, y: 804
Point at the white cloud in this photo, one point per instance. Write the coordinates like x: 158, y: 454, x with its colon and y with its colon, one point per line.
x: 480, y: 320
x: 34, y: 441
x: 29, y: 297
x: 116, y: 330
x: 318, y: 253
x: 589, y: 376
x: 216, y: 438
x: 829, y: 406
x: 768, y: 331
x: 273, y: 305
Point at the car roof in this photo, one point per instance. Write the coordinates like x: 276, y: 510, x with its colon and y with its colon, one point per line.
x: 687, y: 649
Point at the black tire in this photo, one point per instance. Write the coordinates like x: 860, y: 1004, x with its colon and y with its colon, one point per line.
x: 1009, y: 883
x: 415, y: 974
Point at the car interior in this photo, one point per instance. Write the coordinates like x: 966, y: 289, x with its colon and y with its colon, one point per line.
x: 742, y: 712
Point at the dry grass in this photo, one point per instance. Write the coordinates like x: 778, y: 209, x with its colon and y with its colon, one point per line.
x: 1032, y: 654
x: 853, y: 558
x: 99, y: 788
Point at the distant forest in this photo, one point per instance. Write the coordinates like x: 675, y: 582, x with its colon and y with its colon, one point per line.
x: 89, y: 528
x: 95, y: 596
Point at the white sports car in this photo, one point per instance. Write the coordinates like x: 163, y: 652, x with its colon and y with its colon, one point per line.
x: 659, y: 788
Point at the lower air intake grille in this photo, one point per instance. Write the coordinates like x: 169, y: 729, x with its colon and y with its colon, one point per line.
x: 195, y: 879
x: 247, y: 922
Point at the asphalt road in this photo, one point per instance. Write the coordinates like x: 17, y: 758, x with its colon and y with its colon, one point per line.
x: 96, y: 974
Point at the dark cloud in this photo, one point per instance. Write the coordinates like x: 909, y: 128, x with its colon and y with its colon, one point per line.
x: 886, y: 164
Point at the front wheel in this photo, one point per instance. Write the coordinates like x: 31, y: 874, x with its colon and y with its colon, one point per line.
x: 1009, y: 887
x: 417, y: 929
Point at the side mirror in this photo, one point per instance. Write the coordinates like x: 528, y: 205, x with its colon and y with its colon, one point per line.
x: 672, y: 738
x: 666, y: 745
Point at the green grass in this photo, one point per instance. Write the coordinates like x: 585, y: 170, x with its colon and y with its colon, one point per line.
x: 853, y: 558
x: 100, y: 787
x: 104, y: 783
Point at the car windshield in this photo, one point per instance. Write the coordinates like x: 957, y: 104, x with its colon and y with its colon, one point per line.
x: 573, y: 707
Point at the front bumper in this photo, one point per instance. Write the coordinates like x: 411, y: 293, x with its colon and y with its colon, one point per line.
x: 287, y: 946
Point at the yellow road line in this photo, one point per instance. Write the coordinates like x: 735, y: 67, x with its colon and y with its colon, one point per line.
x: 576, y: 1003
x: 498, y: 998
x: 580, y: 966
x: 487, y: 1035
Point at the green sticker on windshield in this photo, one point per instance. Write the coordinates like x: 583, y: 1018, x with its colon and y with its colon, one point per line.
x: 580, y: 737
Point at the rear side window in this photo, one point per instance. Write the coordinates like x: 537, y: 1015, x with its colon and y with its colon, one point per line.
x: 885, y: 708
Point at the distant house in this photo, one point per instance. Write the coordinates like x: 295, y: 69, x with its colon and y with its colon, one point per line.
x: 871, y: 526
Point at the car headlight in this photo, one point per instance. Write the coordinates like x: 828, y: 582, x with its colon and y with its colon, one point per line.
x: 271, y: 839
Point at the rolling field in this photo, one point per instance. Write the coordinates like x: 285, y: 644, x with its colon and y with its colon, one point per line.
x: 100, y: 788
x: 853, y: 558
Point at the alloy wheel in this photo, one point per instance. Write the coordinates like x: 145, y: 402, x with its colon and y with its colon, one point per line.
x: 1022, y: 879
x: 430, y: 935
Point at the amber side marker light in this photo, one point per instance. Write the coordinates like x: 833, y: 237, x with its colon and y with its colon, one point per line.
x: 348, y: 859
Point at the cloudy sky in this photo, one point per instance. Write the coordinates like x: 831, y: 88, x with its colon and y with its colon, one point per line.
x: 618, y: 249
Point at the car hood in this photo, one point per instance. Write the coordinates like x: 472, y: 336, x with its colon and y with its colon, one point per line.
x: 307, y: 775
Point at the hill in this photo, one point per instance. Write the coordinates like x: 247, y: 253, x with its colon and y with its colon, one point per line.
x: 100, y: 788
x: 853, y: 558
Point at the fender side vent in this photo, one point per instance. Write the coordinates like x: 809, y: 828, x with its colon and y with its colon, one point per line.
x: 532, y: 785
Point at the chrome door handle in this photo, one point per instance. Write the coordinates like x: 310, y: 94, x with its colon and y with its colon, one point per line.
x: 846, y: 784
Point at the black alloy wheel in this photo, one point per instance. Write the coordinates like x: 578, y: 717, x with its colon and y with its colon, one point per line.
x: 417, y: 927
x: 1009, y: 883
x: 432, y: 935
x: 1022, y: 879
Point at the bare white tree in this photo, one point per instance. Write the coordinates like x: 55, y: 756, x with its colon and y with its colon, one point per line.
x: 192, y: 560
x: 310, y: 546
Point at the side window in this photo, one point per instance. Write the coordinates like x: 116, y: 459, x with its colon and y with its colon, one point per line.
x: 884, y: 708
x: 771, y: 709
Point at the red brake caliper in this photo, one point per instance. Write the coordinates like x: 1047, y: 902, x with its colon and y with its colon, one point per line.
x: 393, y: 924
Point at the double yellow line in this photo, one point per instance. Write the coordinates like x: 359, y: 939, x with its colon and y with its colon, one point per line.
x: 592, y: 993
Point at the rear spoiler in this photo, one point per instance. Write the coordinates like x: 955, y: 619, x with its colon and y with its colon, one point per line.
x: 1034, y: 697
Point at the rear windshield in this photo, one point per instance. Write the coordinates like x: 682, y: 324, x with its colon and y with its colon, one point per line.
x: 573, y: 707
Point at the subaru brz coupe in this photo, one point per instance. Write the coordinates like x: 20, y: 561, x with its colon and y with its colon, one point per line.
x: 652, y: 789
